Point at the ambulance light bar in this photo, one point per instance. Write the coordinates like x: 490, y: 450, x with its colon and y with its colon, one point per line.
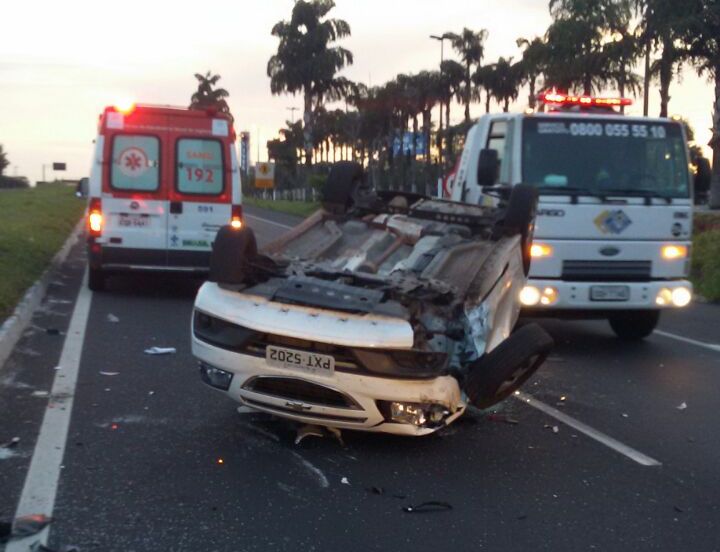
x: 557, y: 98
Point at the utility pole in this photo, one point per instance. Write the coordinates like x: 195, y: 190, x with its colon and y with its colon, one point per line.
x: 441, y: 39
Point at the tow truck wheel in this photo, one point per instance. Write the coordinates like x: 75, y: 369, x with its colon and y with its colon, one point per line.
x: 520, y: 218
x: 634, y: 325
x: 96, y: 279
x: 498, y: 374
x: 343, y: 182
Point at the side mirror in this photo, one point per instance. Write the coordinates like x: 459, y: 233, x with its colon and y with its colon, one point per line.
x: 82, y: 188
x: 488, y: 167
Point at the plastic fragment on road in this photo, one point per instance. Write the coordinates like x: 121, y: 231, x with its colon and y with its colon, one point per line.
x: 112, y: 318
x: 502, y: 418
x: 682, y: 406
x: 345, y: 481
x: 428, y: 507
x: 308, y: 430
x: 160, y: 351
x: 556, y: 429
x: 624, y: 415
x: 26, y: 526
x: 12, y: 443
x: 41, y: 394
x: 53, y: 331
x: 110, y: 374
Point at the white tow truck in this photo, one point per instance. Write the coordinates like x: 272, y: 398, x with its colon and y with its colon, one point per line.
x: 613, y: 233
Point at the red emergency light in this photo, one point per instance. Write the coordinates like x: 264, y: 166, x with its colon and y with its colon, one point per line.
x: 557, y: 98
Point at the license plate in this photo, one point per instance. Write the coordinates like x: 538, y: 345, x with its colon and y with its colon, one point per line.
x: 312, y: 363
x: 609, y: 293
x: 133, y: 221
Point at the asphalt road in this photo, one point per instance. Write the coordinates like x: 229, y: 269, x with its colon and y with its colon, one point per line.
x: 154, y: 460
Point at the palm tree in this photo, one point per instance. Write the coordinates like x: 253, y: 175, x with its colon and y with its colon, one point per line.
x: 209, y: 97
x: 485, y: 77
x: 470, y: 45
x: 4, y: 163
x: 451, y: 79
x: 621, y: 55
x: 305, y: 61
x: 533, y: 64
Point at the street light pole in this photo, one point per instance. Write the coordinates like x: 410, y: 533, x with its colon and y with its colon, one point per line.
x: 292, y: 111
x: 441, y: 39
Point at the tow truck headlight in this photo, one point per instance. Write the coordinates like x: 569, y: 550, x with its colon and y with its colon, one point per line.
x: 678, y: 297
x: 540, y: 250
x: 673, y: 252
x: 531, y: 296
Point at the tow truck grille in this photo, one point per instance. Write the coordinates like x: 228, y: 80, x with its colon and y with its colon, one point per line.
x: 607, y: 271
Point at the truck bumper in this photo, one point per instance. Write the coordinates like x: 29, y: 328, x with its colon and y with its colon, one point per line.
x: 584, y: 295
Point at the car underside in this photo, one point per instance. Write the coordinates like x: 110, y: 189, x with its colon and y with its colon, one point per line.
x: 383, y: 311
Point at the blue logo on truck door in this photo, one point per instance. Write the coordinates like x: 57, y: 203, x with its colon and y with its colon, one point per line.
x: 612, y: 222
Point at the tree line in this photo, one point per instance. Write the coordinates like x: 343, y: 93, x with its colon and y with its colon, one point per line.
x: 591, y: 46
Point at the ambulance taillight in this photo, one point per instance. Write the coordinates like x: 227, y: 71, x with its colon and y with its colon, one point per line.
x: 95, y: 217
x: 236, y: 218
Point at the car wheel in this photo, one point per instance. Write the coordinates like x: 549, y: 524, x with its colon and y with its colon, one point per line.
x: 520, y: 218
x: 231, y: 251
x: 341, y: 186
x: 498, y: 374
x: 96, y: 279
x: 634, y: 325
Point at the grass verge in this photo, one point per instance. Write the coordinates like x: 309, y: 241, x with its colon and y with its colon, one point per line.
x: 34, y: 223
x: 297, y: 208
x: 705, y: 273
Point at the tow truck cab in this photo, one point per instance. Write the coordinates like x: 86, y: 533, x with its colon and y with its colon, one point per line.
x: 613, y: 229
x: 163, y: 181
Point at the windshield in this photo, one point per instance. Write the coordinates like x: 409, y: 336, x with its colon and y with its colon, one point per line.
x: 600, y: 156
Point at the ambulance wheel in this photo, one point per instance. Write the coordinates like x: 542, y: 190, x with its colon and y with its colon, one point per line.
x: 231, y: 251
x: 341, y: 186
x: 96, y: 279
x: 634, y: 325
x: 498, y: 374
x: 520, y: 218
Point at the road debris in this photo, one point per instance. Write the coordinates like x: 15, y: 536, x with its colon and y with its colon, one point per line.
x: 624, y: 415
x: 112, y: 318
x: 503, y: 419
x: 428, y: 507
x: 26, y: 526
x: 160, y: 351
x: 110, y: 374
x: 41, y: 394
x: 53, y: 331
x: 12, y: 443
x: 345, y: 481
x: 39, y: 547
x: 682, y: 406
x: 308, y: 430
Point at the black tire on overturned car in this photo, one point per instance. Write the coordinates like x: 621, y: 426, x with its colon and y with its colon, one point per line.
x: 341, y: 186
x: 232, y: 250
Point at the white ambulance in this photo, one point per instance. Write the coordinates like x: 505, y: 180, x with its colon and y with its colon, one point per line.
x: 613, y: 232
x: 162, y: 182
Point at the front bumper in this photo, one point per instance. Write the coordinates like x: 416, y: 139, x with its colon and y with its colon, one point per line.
x: 577, y: 295
x: 362, y: 394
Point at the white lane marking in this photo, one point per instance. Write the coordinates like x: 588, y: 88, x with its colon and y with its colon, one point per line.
x: 585, y: 429
x: 41, y: 482
x: 267, y: 221
x: 704, y: 344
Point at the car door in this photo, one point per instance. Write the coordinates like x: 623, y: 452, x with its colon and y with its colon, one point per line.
x: 200, y: 199
x: 134, y: 198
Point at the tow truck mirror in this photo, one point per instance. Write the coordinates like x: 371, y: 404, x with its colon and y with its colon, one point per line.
x: 488, y: 167
x: 81, y: 190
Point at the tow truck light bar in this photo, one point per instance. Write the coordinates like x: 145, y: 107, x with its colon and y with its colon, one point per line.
x: 557, y: 98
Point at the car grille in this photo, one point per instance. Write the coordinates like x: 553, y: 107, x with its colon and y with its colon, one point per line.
x: 294, y: 389
x: 607, y: 271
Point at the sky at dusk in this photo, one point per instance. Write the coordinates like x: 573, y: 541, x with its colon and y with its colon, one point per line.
x: 62, y: 62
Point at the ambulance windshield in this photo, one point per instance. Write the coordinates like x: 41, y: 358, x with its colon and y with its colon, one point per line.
x: 597, y: 156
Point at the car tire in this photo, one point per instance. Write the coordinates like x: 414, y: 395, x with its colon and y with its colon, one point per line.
x: 231, y: 251
x: 96, y: 279
x: 634, y: 325
x: 341, y: 186
x: 498, y: 374
x: 520, y: 218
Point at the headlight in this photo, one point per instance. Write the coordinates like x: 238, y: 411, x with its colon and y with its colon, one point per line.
x: 531, y: 296
x: 539, y: 250
x: 673, y: 252
x: 678, y: 297
x: 419, y: 415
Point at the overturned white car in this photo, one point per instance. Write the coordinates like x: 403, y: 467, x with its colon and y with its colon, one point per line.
x: 384, y: 311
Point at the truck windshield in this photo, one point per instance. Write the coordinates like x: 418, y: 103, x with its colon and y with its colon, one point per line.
x: 597, y: 156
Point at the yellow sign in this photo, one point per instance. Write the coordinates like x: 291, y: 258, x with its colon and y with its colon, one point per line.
x: 265, y: 175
